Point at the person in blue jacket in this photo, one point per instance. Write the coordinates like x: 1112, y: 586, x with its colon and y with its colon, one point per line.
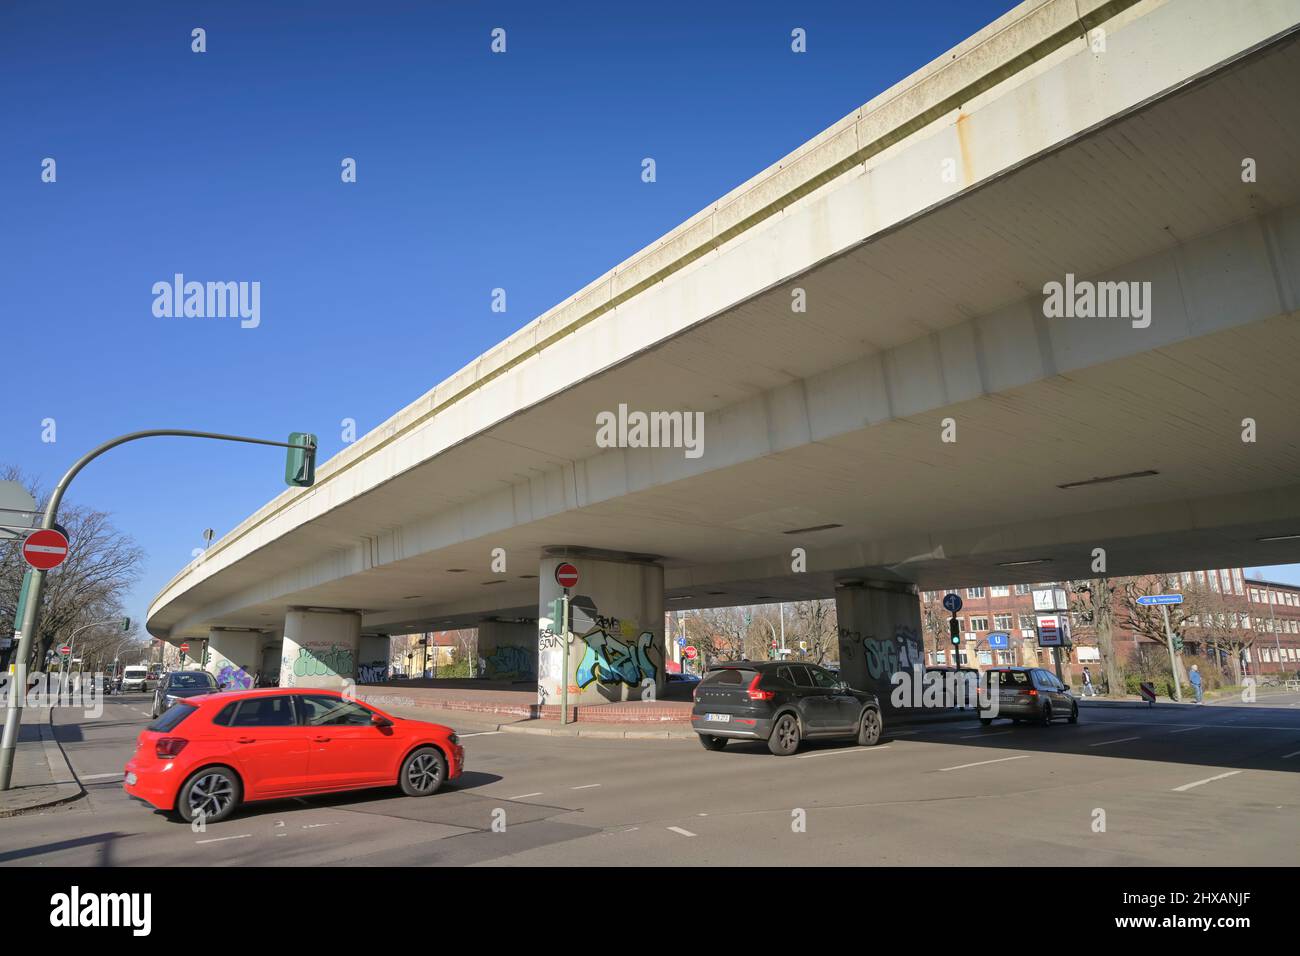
x: 1195, y: 677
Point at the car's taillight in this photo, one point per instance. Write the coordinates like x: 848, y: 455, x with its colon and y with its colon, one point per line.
x: 1031, y: 692
x: 168, y: 747
x: 755, y: 693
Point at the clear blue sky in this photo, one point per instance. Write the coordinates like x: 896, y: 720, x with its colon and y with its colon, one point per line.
x: 474, y: 171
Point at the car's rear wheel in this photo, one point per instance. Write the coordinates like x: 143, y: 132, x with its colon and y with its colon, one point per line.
x: 211, y: 794
x: 423, y: 772
x: 871, y: 727
x: 785, y: 736
x: 1074, y: 714
x: 710, y: 742
x: 1047, y: 715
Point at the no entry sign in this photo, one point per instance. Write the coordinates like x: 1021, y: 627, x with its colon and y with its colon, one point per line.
x: 45, y: 549
x: 690, y: 652
x: 65, y: 650
x: 566, y: 575
x: 185, y: 648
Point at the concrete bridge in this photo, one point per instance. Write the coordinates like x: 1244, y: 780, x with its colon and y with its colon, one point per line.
x: 1037, y: 299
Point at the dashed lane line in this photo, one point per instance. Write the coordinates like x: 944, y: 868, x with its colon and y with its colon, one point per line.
x: 1106, y: 743
x: 1196, y: 783
x: 981, y: 763
x: 679, y: 830
x: 836, y: 753
x: 241, y: 836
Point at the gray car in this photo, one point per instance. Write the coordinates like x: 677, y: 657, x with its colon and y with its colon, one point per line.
x: 1028, y: 693
x: 179, y: 685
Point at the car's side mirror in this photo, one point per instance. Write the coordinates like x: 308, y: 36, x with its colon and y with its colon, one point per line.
x: 379, y: 720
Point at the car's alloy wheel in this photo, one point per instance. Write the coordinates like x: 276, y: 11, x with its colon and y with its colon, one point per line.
x: 710, y: 742
x: 870, y: 729
x: 785, y: 736
x: 1047, y: 715
x: 1074, y: 714
x: 423, y: 773
x: 211, y: 795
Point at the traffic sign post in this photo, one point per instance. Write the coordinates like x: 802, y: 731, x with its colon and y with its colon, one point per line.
x: 1163, y: 601
x: 566, y: 576
x: 31, y: 612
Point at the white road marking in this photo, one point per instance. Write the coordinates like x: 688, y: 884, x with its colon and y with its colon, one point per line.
x: 836, y: 753
x: 1121, y: 740
x: 522, y: 795
x: 1185, y: 730
x: 313, y: 826
x: 144, y: 712
x: 1197, y: 783
x: 681, y: 831
x: 480, y: 733
x: 585, y: 786
x: 1001, y: 733
x: 982, y: 763
x: 100, y: 776
x: 220, y: 839
x: 1290, y: 755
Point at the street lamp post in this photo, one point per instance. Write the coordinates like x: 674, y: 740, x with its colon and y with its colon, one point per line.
x: 299, y: 470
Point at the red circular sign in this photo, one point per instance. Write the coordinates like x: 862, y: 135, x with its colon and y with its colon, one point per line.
x: 690, y: 652
x: 45, y: 549
x: 184, y: 648
x: 566, y: 575
x: 65, y: 650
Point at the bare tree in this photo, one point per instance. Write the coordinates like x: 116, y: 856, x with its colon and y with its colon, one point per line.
x: 1093, y: 603
x: 89, y: 586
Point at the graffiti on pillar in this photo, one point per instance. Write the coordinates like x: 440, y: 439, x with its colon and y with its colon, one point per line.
x: 233, y: 677
x: 373, y: 673
x: 616, y: 660
x: 332, y: 660
x: 886, y: 656
x: 510, y: 662
x: 849, y: 643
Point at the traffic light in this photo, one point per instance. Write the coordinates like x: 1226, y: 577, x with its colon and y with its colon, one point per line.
x: 205, y: 656
x: 126, y: 624
x: 300, y: 463
x: 1178, y: 644
x: 954, y: 628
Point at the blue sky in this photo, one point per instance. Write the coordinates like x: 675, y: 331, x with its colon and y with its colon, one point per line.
x: 475, y: 171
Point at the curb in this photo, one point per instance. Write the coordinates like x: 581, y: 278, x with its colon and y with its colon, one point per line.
x: 572, y: 730
x: 64, y: 782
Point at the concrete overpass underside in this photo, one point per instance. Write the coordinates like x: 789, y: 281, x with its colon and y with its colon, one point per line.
x: 923, y: 412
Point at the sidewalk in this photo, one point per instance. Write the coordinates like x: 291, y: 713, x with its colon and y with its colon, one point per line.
x: 42, y: 776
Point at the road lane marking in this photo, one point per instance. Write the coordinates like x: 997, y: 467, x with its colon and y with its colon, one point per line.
x: 681, y: 831
x: 1000, y: 733
x: 835, y: 753
x: 220, y: 839
x: 1197, y: 783
x: 982, y: 763
x: 313, y: 826
x: 585, y: 786
x: 100, y: 776
x: 1185, y: 730
x: 480, y: 733
x: 522, y: 795
x: 1121, y: 740
x: 1290, y: 755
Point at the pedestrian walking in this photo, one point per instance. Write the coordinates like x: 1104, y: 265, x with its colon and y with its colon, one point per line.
x: 1195, y: 677
x: 1088, y: 689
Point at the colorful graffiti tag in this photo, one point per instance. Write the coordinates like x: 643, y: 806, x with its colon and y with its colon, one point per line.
x: 331, y: 661
x: 233, y: 677
x: 510, y: 662
x: 373, y: 673
x: 611, y: 660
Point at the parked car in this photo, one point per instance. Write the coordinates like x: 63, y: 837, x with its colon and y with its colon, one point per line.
x: 958, y: 684
x: 683, y: 678
x: 137, y: 678
x: 783, y: 703
x: 1029, y: 693
x: 207, y: 755
x: 178, y: 685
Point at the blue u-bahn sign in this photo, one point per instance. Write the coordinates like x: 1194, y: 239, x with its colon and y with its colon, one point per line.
x: 999, y: 640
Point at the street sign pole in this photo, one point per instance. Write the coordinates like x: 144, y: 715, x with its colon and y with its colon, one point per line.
x: 564, y: 658
x: 18, y: 677
x: 1173, y: 661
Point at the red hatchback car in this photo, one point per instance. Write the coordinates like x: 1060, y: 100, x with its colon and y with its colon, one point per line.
x: 208, y: 754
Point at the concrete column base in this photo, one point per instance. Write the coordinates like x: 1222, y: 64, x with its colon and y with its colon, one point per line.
x: 617, y: 623
x: 320, y: 648
x: 880, y: 636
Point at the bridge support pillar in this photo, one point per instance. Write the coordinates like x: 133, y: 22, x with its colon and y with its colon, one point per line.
x: 508, y: 650
x: 373, y: 653
x: 234, y: 656
x: 320, y: 648
x: 617, y: 622
x: 880, y: 636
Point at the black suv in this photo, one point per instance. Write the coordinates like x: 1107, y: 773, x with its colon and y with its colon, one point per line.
x: 783, y: 703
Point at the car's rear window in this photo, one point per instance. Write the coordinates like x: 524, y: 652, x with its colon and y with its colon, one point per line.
x: 192, y: 680
x: 169, y: 720
x: 1013, y: 678
x: 729, y: 675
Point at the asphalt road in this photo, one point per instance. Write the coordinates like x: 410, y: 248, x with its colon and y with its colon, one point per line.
x: 1175, y: 785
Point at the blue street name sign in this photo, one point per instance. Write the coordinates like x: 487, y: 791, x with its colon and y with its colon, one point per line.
x: 1149, y: 599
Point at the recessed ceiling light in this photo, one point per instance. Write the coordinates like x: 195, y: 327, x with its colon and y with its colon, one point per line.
x: 1019, y: 564
x: 1109, y: 478
x: 497, y: 581
x: 816, y: 527
x: 682, y: 597
x: 1280, y: 537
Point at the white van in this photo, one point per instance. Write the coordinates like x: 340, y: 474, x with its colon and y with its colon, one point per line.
x: 137, y: 677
